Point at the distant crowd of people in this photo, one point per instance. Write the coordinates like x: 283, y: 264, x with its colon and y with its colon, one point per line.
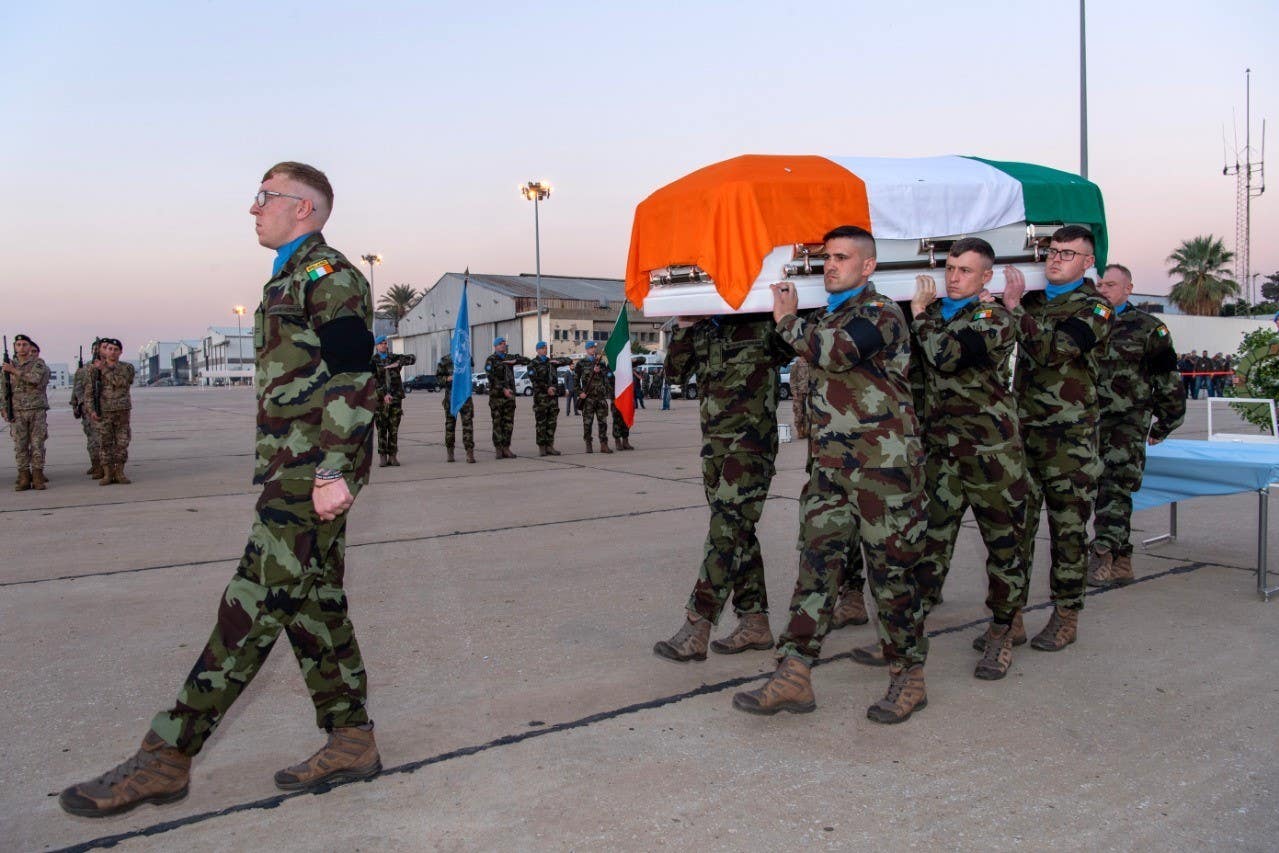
x: 1202, y: 373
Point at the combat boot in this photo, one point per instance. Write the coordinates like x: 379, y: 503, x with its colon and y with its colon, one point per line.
x: 393, y: 460
x: 541, y: 450
x: 96, y: 471
x: 350, y: 754
x: 752, y: 632
x: 849, y: 610
x: 1100, y: 567
x: 626, y: 444
x: 108, y: 475
x: 118, y: 476
x: 510, y: 454
x: 905, y: 696
x: 604, y: 448
x: 590, y: 448
x: 689, y: 642
x: 1062, y: 630
x: 1019, y: 635
x: 871, y: 654
x: 998, y: 656
x: 789, y: 688
x: 449, y: 451
x: 38, y: 482
x: 1121, y: 570
x: 157, y: 773
x: 381, y: 460
x: 23, y: 482
x: 551, y: 451
x: 470, y: 456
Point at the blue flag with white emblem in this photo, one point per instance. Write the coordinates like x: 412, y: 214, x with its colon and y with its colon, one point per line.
x: 461, y: 352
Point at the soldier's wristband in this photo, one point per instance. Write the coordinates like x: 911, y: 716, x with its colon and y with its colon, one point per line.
x: 326, y: 476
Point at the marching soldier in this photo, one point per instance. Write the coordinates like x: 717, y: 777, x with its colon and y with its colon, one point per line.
x: 80, y: 390
x: 543, y: 374
x: 594, y: 395
x: 110, y: 405
x: 500, y: 367
x: 444, y: 375
x: 1141, y: 403
x: 28, y: 377
x: 390, y: 400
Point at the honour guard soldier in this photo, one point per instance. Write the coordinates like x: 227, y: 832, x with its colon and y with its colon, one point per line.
x: 390, y: 399
x: 542, y: 372
x: 27, y: 378
x: 110, y: 406
x: 594, y: 395
x: 444, y: 375
x: 500, y: 367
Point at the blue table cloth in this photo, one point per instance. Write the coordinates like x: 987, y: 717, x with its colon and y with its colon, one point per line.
x: 1177, y: 470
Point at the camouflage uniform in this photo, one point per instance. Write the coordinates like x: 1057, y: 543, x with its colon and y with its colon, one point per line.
x: 736, y: 361
x: 546, y: 387
x: 974, y: 452
x: 113, y: 405
x: 80, y: 390
x: 595, y: 380
x: 1057, y: 406
x: 387, y: 380
x: 865, y: 474
x: 30, y: 427
x: 1140, y: 397
x: 501, y: 373
x: 315, y: 413
x: 799, y: 396
x: 444, y: 375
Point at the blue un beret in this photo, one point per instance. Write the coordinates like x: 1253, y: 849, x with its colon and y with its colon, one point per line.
x: 499, y: 340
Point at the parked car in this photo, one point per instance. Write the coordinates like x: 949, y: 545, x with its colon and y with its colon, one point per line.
x: 687, y: 391
x: 480, y: 383
x: 523, y: 382
x: 422, y: 382
x: 784, y: 391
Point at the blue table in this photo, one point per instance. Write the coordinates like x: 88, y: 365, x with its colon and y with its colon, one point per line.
x: 1177, y: 470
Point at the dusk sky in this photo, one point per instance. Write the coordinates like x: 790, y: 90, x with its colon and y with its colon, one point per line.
x: 136, y: 133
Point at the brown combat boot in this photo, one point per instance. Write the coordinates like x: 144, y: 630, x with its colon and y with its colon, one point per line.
x: 849, y: 610
x: 350, y: 754
x: 449, y: 451
x: 604, y: 448
x: 381, y: 460
x: 905, y: 696
x: 752, y: 632
x: 470, y: 456
x: 589, y: 447
x: 1019, y: 635
x: 1100, y: 565
x: 998, y: 654
x: 38, y: 482
x: 157, y: 773
x: 96, y: 471
x: 510, y: 454
x: 871, y: 654
x: 1121, y: 570
x: 118, y: 476
x: 689, y: 642
x: 541, y: 450
x: 108, y: 475
x: 1062, y: 630
x: 789, y: 688
x: 393, y: 460
x: 551, y: 451
x: 23, y: 482
x: 626, y: 444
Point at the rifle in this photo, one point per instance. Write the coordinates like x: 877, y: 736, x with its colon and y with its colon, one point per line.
x: 80, y: 363
x: 8, y: 383
x: 97, y: 390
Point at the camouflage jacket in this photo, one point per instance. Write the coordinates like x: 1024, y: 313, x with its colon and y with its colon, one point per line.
x: 30, y: 384
x: 308, y: 415
x: 543, y: 374
x: 1137, y: 375
x: 967, y: 403
x: 860, y: 408
x: 501, y: 372
x: 1057, y: 345
x: 736, y: 360
x: 80, y: 390
x: 386, y: 374
x: 595, y: 384
x: 114, y: 394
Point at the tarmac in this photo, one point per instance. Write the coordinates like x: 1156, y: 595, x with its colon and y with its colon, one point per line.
x: 506, y: 612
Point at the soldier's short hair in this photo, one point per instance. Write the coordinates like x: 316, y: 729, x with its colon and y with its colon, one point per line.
x: 861, y: 236
x: 1123, y: 269
x: 974, y: 244
x: 308, y: 176
x: 1070, y: 233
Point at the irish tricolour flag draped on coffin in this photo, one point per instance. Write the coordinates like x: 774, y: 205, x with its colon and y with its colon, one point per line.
x: 618, y: 353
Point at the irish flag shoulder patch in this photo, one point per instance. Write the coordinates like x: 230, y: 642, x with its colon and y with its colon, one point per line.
x: 1102, y: 311
x: 984, y: 314
x: 319, y: 269
x: 1162, y: 331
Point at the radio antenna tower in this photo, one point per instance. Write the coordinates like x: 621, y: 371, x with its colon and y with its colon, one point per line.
x: 1250, y: 182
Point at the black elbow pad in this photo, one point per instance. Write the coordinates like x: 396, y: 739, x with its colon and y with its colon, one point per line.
x: 866, y: 337
x: 1164, y: 361
x: 346, y: 345
x: 1080, y: 333
x: 973, y: 352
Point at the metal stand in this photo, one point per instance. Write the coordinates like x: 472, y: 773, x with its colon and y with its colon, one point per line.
x: 1171, y: 535
x: 1263, y: 524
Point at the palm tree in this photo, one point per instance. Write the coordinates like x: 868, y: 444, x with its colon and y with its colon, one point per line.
x: 398, y: 300
x: 1203, y: 264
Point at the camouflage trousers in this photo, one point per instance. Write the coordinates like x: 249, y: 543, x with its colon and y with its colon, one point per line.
x: 598, y: 410
x: 1124, y: 462
x: 546, y: 416
x: 620, y: 429
x: 387, y: 421
x: 992, y: 482
x: 467, y: 413
x: 888, y: 508
x: 502, y: 408
x: 91, y: 438
x: 1063, y: 467
x: 736, y: 487
x: 30, y: 430
x: 290, y: 580
x: 114, y: 434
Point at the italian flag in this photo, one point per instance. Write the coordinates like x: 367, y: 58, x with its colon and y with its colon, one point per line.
x: 618, y: 353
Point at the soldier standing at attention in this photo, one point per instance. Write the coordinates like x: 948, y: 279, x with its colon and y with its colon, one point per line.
x: 1141, y: 403
x: 594, y: 395
x: 865, y: 473
x: 390, y: 400
x: 110, y: 405
x: 313, y: 340
x: 542, y: 372
x: 80, y: 391
x: 444, y: 375
x: 1059, y: 331
x: 29, y: 377
x: 736, y: 360
x: 500, y: 368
